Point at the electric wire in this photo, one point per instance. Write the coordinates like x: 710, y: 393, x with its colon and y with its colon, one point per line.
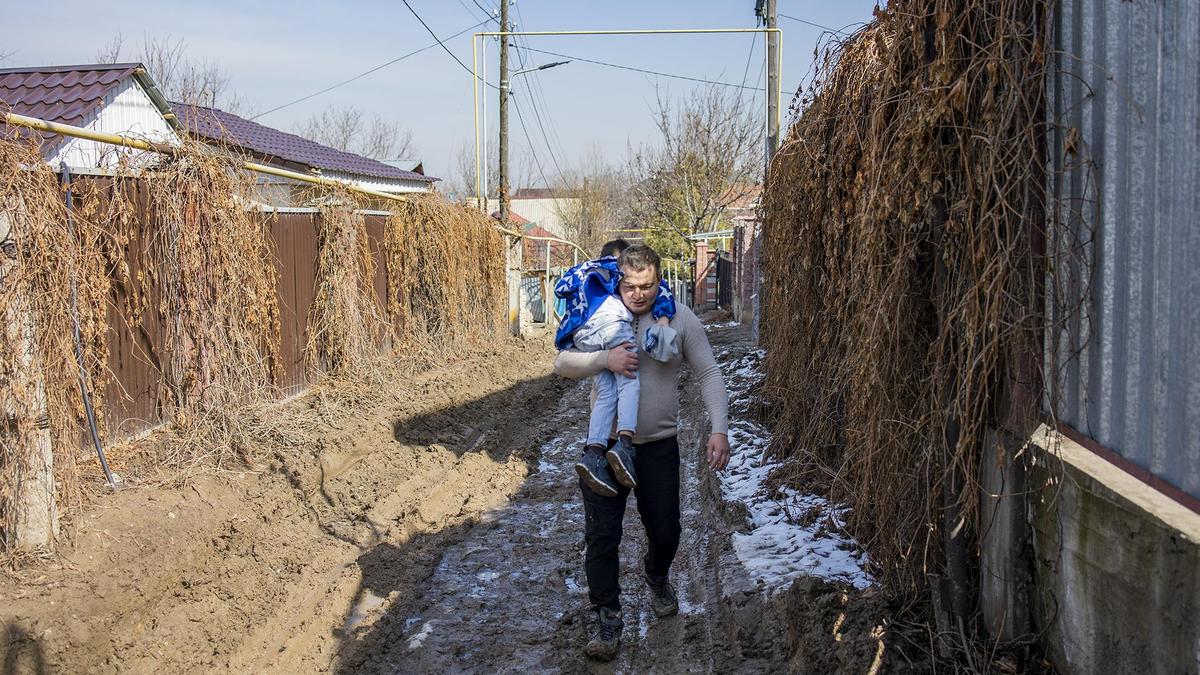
x: 364, y: 73
x: 638, y: 70
x: 540, y: 91
x: 810, y: 23
x: 538, y: 117
x: 529, y: 140
x: 445, y: 48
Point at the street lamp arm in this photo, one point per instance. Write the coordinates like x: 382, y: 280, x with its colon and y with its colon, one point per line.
x: 544, y: 66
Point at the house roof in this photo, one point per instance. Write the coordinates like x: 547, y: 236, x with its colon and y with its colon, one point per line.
x: 69, y: 94
x: 224, y: 127
x: 538, y: 193
x: 513, y: 218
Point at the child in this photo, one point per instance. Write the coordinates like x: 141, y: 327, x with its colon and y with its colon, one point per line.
x: 596, y: 320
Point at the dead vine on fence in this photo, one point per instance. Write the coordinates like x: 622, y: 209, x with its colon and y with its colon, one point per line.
x: 904, y: 221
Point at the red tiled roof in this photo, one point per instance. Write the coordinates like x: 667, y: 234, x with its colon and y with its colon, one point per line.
x: 218, y: 125
x: 513, y: 217
x: 535, y: 193
x: 65, y: 94
x: 535, y: 249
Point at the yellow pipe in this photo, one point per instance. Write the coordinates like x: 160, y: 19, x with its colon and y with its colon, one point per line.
x: 479, y: 199
x: 779, y: 84
x: 647, y: 31
x: 518, y: 235
x: 138, y: 144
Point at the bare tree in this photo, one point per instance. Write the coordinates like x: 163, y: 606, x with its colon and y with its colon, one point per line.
x: 596, y: 204
x: 178, y: 76
x: 708, y: 159
x: 461, y: 185
x: 111, y: 51
x: 347, y: 129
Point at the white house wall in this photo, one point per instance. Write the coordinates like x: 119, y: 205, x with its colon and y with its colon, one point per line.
x: 127, y: 111
x: 381, y: 184
x: 542, y: 212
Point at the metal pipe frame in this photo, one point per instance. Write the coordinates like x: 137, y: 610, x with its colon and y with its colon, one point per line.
x: 476, y: 80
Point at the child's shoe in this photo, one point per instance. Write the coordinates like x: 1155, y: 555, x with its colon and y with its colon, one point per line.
x: 594, y: 472
x: 620, y: 458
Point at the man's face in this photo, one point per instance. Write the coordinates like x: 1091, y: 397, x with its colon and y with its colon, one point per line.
x: 639, y: 288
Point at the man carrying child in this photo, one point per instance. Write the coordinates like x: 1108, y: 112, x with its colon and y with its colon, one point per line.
x: 655, y: 446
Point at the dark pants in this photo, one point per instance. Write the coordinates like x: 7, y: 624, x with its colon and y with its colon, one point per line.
x: 657, y: 467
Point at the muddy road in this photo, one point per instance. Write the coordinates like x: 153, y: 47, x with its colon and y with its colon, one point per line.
x: 442, y: 532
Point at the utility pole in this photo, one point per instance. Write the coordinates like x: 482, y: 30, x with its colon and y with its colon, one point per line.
x: 767, y: 10
x: 515, y: 244
x: 772, y: 20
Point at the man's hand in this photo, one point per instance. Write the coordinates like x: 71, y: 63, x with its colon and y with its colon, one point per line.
x: 718, y: 451
x: 623, y: 360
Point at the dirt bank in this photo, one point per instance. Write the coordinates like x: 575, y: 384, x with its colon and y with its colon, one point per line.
x: 259, y: 571
x: 441, y: 534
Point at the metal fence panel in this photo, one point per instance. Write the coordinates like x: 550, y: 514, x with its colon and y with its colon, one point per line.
x: 1124, y: 117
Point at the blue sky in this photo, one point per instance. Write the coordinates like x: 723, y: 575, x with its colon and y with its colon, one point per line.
x: 276, y: 52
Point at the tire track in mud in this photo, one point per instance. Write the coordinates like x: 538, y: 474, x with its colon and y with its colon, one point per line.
x: 511, y: 596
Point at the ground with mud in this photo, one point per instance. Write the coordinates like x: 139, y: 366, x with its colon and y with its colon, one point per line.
x: 443, y: 533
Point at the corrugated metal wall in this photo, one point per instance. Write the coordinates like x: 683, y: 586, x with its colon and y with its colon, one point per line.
x: 1124, y: 295
x: 295, y: 237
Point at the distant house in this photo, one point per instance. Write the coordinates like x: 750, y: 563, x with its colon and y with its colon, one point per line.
x: 544, y: 206
x: 118, y: 98
x: 561, y: 255
x: 295, y: 153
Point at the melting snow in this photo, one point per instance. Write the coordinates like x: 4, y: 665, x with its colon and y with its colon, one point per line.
x: 790, y: 533
x: 417, y: 640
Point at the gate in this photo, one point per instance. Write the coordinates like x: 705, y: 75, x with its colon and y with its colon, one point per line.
x: 724, y: 274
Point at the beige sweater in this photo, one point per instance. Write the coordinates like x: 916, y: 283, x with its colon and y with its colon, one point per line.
x: 658, y: 406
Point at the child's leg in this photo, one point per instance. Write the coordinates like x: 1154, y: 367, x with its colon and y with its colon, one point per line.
x: 629, y: 390
x: 605, y: 408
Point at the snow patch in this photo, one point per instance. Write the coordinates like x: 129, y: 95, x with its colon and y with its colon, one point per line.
x: 417, y: 640
x: 790, y: 533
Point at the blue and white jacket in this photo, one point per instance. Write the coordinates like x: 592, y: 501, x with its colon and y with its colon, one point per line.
x: 586, y: 285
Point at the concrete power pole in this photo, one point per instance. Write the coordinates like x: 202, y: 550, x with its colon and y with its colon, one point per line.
x: 768, y: 11
x: 515, y: 245
x: 772, y: 20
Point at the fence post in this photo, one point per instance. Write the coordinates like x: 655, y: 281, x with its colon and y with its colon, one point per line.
x: 547, y: 292
x: 516, y: 246
x: 700, y: 279
x: 35, y: 516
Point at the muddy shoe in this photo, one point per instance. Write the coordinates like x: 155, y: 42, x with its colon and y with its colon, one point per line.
x: 607, y: 639
x: 593, y: 471
x: 662, y: 597
x: 620, y: 458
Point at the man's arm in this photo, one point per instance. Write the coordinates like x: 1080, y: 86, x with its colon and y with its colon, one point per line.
x: 699, y: 355
x: 577, y: 365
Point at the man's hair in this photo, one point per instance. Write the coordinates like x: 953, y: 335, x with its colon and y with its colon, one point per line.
x: 614, y: 247
x: 640, y: 257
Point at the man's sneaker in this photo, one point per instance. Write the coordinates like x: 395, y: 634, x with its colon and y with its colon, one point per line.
x: 620, y: 458
x: 662, y: 597
x: 593, y: 470
x: 603, y: 645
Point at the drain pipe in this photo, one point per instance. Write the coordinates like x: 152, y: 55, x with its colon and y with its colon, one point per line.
x: 83, y: 388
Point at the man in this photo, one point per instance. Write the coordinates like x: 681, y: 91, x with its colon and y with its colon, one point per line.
x: 657, y: 448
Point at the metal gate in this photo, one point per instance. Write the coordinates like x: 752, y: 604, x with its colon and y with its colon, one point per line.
x: 724, y: 275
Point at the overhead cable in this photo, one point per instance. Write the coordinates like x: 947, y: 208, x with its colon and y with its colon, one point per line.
x: 365, y: 73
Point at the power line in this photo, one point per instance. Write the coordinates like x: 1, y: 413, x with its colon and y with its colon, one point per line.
x: 525, y: 130
x: 536, y: 80
x: 490, y: 12
x: 364, y: 73
x: 638, y: 70
x: 444, y: 47
x: 815, y: 25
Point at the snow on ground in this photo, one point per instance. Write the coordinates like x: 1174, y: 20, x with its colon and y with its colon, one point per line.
x: 789, y: 533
